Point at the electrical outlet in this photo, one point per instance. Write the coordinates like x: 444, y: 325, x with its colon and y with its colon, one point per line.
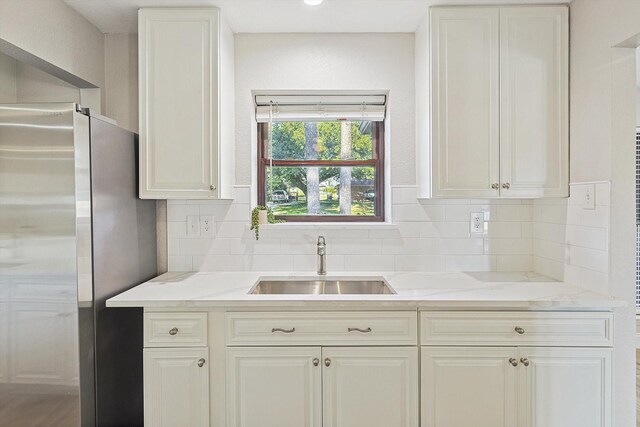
x: 193, y: 226
x: 476, y: 223
x: 589, y: 197
x: 207, y: 226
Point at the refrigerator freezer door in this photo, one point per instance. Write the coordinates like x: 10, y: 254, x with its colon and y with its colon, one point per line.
x: 39, y: 367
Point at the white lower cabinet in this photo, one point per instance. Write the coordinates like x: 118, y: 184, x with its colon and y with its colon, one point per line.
x: 469, y: 387
x: 511, y: 386
x: 329, y: 387
x: 564, y: 387
x: 176, y: 387
x: 274, y: 387
x: 370, y: 386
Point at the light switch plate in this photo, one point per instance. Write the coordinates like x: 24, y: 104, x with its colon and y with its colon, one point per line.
x: 207, y: 226
x: 193, y: 226
x: 589, y: 197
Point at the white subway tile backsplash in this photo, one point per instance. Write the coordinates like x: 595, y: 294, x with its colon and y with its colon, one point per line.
x: 514, y: 262
x: 471, y: 263
x: 508, y: 246
x: 425, y: 263
x: 514, y: 212
x: 571, y: 242
x: 369, y: 262
x: 555, y: 237
x: 180, y: 263
x: 282, y: 263
x: 308, y: 263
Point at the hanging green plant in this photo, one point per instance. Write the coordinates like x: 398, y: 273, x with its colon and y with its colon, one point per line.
x: 255, y: 218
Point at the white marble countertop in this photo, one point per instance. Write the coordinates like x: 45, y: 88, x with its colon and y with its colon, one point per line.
x: 413, y: 290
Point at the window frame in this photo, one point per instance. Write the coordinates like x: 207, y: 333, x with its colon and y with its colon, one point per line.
x: 377, y: 161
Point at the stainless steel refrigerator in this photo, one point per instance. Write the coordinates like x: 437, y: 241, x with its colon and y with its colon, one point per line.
x: 72, y: 234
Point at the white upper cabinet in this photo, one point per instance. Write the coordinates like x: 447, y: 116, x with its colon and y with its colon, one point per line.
x: 499, y: 102
x: 180, y: 73
x: 534, y: 105
x: 465, y: 81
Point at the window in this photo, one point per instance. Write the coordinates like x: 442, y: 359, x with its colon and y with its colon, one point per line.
x: 322, y: 170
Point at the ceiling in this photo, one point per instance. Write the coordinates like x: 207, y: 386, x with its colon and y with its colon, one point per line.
x: 283, y: 16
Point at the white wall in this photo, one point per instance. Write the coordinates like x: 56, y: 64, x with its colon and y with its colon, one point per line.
x: 121, y: 79
x: 329, y: 61
x: 57, y: 34
x: 602, y: 132
x: 20, y: 82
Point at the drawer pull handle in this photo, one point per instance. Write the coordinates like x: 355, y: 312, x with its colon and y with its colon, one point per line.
x: 173, y: 331
x: 327, y: 362
x: 364, y: 331
x: 524, y: 361
x: 316, y: 361
x: 514, y: 362
x: 201, y: 363
x: 519, y: 330
x: 286, y: 331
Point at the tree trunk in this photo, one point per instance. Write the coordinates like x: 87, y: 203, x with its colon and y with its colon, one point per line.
x: 313, y: 173
x: 345, y: 172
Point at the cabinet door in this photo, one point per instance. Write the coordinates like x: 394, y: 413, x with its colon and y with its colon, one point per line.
x: 469, y: 387
x: 274, y: 387
x: 178, y: 74
x: 534, y: 101
x: 370, y: 386
x: 562, y: 387
x: 464, y: 102
x: 176, y: 387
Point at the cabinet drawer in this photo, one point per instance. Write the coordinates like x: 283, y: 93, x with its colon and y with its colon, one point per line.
x: 175, y: 329
x: 322, y: 328
x: 522, y: 328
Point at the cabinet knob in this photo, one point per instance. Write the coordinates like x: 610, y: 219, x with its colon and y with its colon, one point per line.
x: 212, y: 187
x: 514, y: 362
x: 495, y: 186
x: 524, y: 361
x: 519, y: 330
x: 201, y: 363
x: 327, y: 362
x: 506, y: 185
x: 173, y: 331
x: 316, y: 361
x: 284, y: 331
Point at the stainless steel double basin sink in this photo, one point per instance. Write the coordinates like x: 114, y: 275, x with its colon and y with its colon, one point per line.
x: 323, y: 286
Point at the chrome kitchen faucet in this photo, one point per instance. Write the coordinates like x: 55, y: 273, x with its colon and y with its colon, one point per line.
x: 322, y: 256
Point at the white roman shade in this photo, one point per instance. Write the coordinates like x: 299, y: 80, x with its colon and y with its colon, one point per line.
x: 320, y: 107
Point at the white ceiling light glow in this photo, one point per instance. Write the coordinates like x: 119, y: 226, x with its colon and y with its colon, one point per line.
x: 313, y: 2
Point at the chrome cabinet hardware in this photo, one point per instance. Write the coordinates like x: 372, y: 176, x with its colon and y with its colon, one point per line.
x: 327, y: 362
x: 212, y: 187
x: 506, y: 185
x: 495, y: 186
x: 519, y: 330
x: 316, y: 361
x: 524, y: 361
x: 173, y: 331
x: 364, y: 331
x: 514, y: 362
x: 286, y: 331
x: 201, y: 363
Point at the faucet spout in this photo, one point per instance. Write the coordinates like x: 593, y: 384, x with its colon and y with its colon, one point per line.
x: 322, y: 256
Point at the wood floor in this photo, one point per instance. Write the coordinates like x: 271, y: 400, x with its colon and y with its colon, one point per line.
x: 20, y: 410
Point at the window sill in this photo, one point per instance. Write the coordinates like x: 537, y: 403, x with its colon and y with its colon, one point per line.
x: 327, y: 226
